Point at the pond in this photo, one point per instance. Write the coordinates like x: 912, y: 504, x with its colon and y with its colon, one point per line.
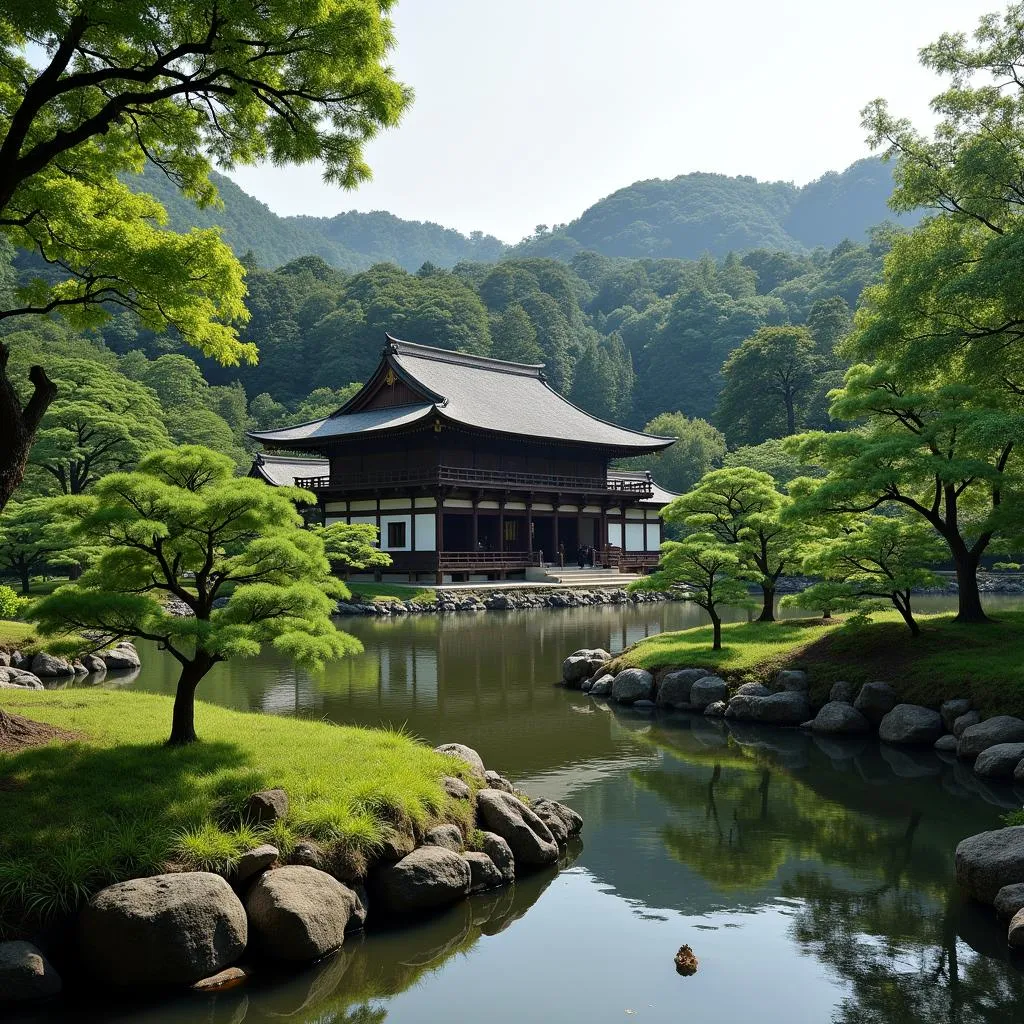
x: 813, y: 878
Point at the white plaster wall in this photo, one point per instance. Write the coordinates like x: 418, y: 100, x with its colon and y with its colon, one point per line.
x: 426, y: 532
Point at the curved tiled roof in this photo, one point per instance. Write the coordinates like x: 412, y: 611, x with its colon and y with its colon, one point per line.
x: 281, y: 470
x: 474, y: 391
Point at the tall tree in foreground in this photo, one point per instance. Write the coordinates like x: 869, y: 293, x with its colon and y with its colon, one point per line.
x: 742, y: 508
x: 944, y: 453
x: 869, y: 562
x: 708, y: 573
x: 184, y: 527
x: 178, y: 83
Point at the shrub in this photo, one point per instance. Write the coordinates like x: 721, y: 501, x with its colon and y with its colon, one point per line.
x: 10, y: 603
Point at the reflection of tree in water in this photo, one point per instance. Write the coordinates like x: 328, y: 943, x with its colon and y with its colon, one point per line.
x: 365, y: 1014
x: 902, y: 957
x: 882, y: 911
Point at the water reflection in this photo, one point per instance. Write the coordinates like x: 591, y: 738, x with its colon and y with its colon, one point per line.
x: 813, y: 876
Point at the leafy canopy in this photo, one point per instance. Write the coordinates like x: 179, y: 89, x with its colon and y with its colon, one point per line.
x: 183, y: 526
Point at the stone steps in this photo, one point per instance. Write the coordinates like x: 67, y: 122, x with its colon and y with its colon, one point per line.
x: 590, y: 577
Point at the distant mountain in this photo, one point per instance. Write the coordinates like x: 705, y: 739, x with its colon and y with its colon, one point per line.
x: 698, y: 213
x: 350, y: 241
x: 683, y: 218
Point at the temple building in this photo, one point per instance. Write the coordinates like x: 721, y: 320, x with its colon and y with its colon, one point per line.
x: 473, y: 468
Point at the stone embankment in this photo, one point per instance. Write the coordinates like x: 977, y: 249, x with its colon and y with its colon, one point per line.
x: 195, y: 928
x: 990, y: 866
x: 449, y: 601
x: 23, y: 672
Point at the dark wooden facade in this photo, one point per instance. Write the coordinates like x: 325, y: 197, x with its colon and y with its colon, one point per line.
x: 494, y: 475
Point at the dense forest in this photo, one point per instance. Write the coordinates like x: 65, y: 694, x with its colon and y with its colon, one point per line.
x: 683, y: 347
x: 684, y: 218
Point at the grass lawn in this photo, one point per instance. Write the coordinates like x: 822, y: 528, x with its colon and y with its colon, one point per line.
x: 947, y: 660
x: 391, y: 592
x: 15, y: 634
x: 116, y: 804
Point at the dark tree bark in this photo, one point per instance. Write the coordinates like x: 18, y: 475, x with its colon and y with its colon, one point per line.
x: 902, y: 602
x: 767, y: 604
x: 969, y: 607
x: 26, y: 579
x: 183, y: 716
x: 716, y: 624
x: 18, y: 424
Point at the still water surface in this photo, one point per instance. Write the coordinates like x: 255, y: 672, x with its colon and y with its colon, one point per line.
x: 812, y: 877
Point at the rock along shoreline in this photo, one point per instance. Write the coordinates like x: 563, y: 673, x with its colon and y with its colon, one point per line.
x: 989, y: 866
x: 208, y: 931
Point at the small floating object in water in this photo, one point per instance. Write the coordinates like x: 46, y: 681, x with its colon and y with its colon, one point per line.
x: 686, y: 962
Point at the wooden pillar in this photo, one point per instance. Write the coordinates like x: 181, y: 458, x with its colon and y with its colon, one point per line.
x: 602, y: 546
x: 380, y: 540
x: 556, y: 557
x: 412, y: 537
x: 529, y: 528
x: 501, y: 525
x: 440, y: 538
x: 476, y: 527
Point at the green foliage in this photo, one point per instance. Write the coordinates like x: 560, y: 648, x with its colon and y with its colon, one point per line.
x: 34, y: 537
x: 742, y: 509
x: 709, y: 573
x: 10, y: 603
x: 183, y: 526
x: 352, y: 546
x: 513, y: 336
x: 100, y: 422
x: 767, y: 382
x: 771, y: 457
x: 699, y: 448
x: 868, y: 562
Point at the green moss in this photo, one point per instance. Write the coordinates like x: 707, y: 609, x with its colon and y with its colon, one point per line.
x: 118, y: 803
x: 948, y: 659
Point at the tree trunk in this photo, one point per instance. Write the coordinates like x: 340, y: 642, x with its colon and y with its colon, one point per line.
x: 902, y: 603
x: 767, y: 604
x: 790, y: 416
x: 18, y: 425
x: 183, y: 717
x: 716, y: 624
x: 969, y: 597
x: 26, y: 579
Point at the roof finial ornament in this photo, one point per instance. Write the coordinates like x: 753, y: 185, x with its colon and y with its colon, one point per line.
x: 390, y: 344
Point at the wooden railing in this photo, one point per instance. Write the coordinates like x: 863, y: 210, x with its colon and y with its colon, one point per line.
x: 492, y: 478
x: 462, y: 561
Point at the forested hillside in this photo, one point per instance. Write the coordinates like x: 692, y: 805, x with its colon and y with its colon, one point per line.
x: 682, y: 218
x: 697, y: 213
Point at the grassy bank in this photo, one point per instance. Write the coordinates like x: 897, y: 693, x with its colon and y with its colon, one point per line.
x: 947, y: 660
x: 117, y: 803
x: 15, y: 634
x: 390, y: 592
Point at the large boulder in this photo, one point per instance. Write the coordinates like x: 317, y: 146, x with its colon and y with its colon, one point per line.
x: 18, y: 678
x: 988, y: 861
x: 299, y: 913
x: 1009, y: 900
x: 951, y: 710
x: 466, y: 754
x: 495, y: 780
x: 602, y: 686
x: 582, y: 664
x: 50, y: 666
x: 752, y: 690
x: 946, y: 744
x: 999, y: 762
x: 456, y: 788
x: 875, y: 701
x: 266, y: 807
x: 674, y: 689
x: 792, y: 680
x: 965, y: 722
x: 483, y: 872
x: 631, y: 685
x: 255, y: 861
x: 121, y: 658
x: 1001, y: 729
x: 93, y: 664
x: 840, y: 718
x: 1015, y: 933
x: 25, y: 973
x: 500, y: 854
x: 787, y: 707
x: 707, y: 691
x: 447, y: 836
x: 911, y: 725
x: 429, y: 878
x: 164, y: 930
x: 531, y: 841
x: 563, y: 822
x: 843, y: 692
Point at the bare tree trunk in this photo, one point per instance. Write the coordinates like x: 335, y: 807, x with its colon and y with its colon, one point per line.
x: 716, y: 625
x: 768, y: 604
x: 969, y: 597
x: 183, y: 717
x: 18, y: 425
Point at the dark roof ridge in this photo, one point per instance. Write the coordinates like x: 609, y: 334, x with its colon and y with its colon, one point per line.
x: 444, y: 355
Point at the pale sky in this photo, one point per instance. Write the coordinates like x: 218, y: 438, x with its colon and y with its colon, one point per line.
x: 528, y: 112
